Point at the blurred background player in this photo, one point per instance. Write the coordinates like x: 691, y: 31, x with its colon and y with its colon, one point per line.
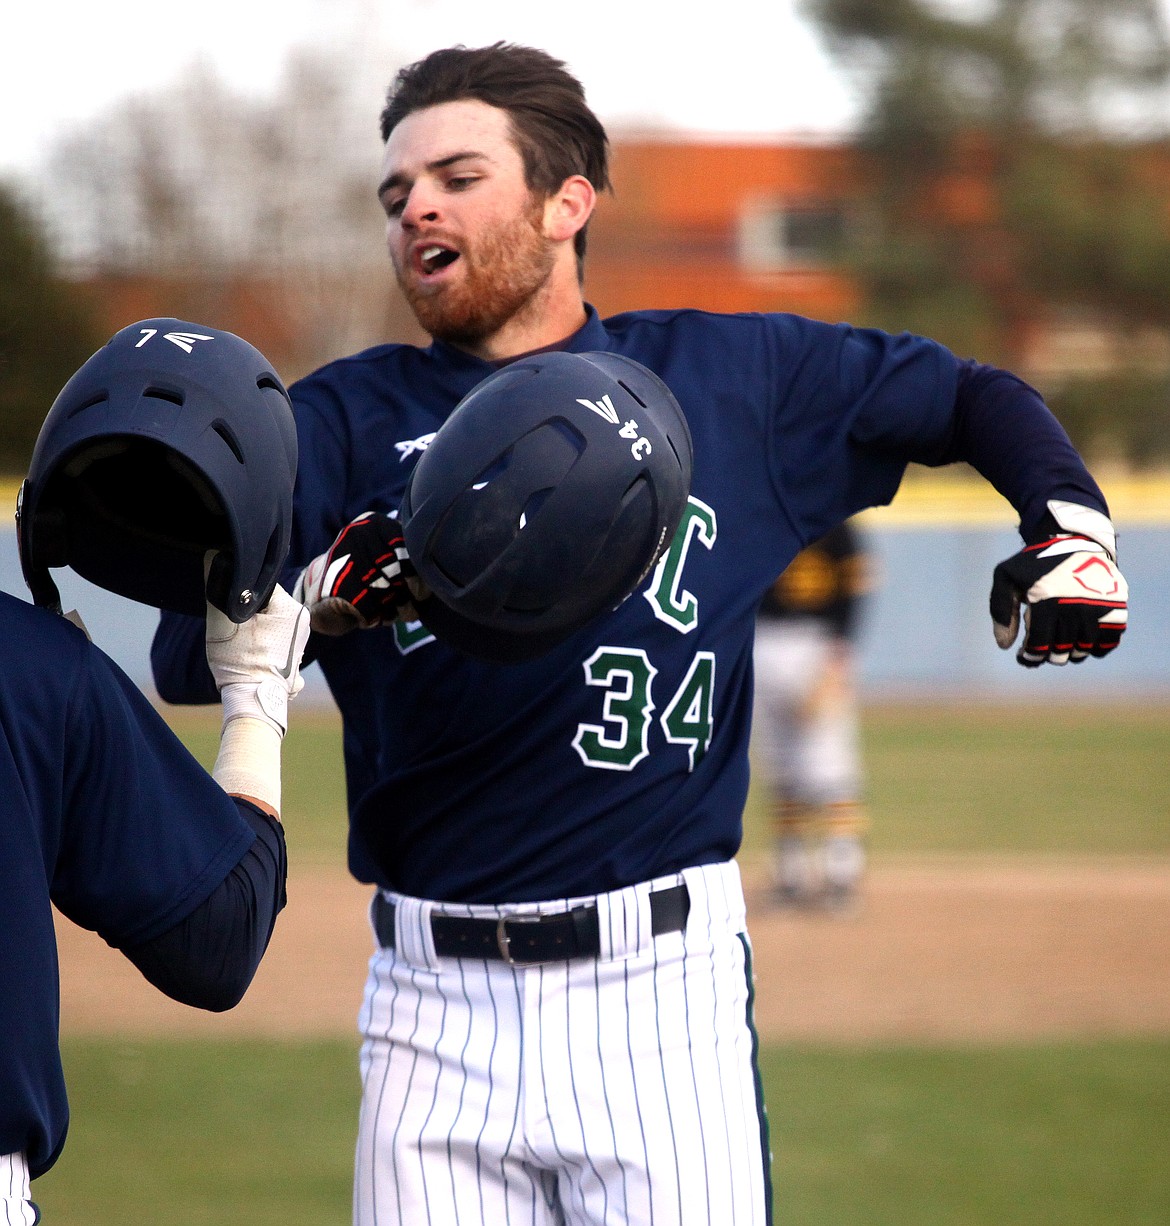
x: 108, y: 817
x: 806, y: 734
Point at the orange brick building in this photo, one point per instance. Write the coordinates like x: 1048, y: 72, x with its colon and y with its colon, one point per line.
x: 728, y: 227
x: 723, y: 226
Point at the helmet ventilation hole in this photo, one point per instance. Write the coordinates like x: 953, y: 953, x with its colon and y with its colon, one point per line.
x: 633, y: 393
x: 225, y: 432
x: 164, y: 393
x: 100, y: 398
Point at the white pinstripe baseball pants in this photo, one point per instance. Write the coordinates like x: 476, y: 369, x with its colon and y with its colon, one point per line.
x: 616, y: 1089
x: 16, y: 1207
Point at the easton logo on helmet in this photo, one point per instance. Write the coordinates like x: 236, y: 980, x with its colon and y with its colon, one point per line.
x: 604, y: 409
x: 184, y: 340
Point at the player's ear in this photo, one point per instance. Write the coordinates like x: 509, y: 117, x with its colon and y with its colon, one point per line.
x: 568, y: 208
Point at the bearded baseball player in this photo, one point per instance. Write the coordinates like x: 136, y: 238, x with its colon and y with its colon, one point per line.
x: 108, y: 817
x: 558, y: 1018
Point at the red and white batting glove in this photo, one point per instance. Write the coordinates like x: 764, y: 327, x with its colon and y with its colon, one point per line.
x: 361, y: 580
x: 1075, y: 597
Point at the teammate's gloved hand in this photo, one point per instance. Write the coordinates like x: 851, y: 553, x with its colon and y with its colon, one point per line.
x: 1075, y: 597
x: 361, y: 580
x: 257, y: 664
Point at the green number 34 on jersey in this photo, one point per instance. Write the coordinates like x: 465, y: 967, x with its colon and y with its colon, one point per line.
x: 622, y: 739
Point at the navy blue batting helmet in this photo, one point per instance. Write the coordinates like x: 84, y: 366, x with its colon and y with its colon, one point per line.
x: 544, y: 500
x: 172, y: 440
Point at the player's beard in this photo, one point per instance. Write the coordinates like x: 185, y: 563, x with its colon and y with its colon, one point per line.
x: 501, y: 276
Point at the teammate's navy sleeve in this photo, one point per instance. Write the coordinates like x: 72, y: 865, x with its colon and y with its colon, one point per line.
x: 902, y: 399
x: 849, y: 409
x: 147, y: 833
x: 1006, y: 432
x: 108, y: 816
x: 178, y: 660
x: 208, y: 959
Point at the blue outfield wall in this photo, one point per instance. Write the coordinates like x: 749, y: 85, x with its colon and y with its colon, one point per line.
x: 926, y: 631
x: 927, y: 628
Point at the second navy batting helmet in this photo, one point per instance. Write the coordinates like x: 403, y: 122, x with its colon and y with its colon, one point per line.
x: 173, y: 440
x: 545, y: 498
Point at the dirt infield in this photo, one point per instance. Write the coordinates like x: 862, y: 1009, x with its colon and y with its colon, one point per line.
x: 944, y: 950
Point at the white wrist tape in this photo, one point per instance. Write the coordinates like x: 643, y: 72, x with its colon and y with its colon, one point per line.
x: 248, y: 763
x: 264, y: 700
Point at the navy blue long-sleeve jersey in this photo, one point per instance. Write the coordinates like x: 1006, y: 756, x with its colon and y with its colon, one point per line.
x: 110, y: 819
x: 622, y: 755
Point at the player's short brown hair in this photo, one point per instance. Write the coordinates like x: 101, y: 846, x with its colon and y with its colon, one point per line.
x: 555, y: 131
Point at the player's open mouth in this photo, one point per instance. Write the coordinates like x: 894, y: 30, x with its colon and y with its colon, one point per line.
x: 433, y: 258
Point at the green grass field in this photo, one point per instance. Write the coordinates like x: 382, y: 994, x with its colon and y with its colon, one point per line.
x: 1076, y: 780
x: 1089, y: 780
x: 230, y: 1133
x: 253, y: 1134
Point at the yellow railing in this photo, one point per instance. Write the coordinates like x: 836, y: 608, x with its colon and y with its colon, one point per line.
x: 8, y: 489
x: 961, y: 500
x: 925, y: 499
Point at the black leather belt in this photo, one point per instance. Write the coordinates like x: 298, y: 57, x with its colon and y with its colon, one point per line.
x: 524, y: 939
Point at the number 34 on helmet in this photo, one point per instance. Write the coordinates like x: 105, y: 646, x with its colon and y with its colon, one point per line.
x: 544, y: 500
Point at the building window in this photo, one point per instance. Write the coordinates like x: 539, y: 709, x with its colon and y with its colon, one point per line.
x: 792, y: 234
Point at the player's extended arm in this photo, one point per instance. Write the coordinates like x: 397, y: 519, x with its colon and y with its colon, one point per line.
x: 1066, y: 577
x: 209, y: 958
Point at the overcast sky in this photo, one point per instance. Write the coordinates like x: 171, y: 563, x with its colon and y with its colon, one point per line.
x: 733, y: 67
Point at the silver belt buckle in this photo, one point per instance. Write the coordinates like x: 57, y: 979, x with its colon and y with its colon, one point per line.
x: 504, y: 941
